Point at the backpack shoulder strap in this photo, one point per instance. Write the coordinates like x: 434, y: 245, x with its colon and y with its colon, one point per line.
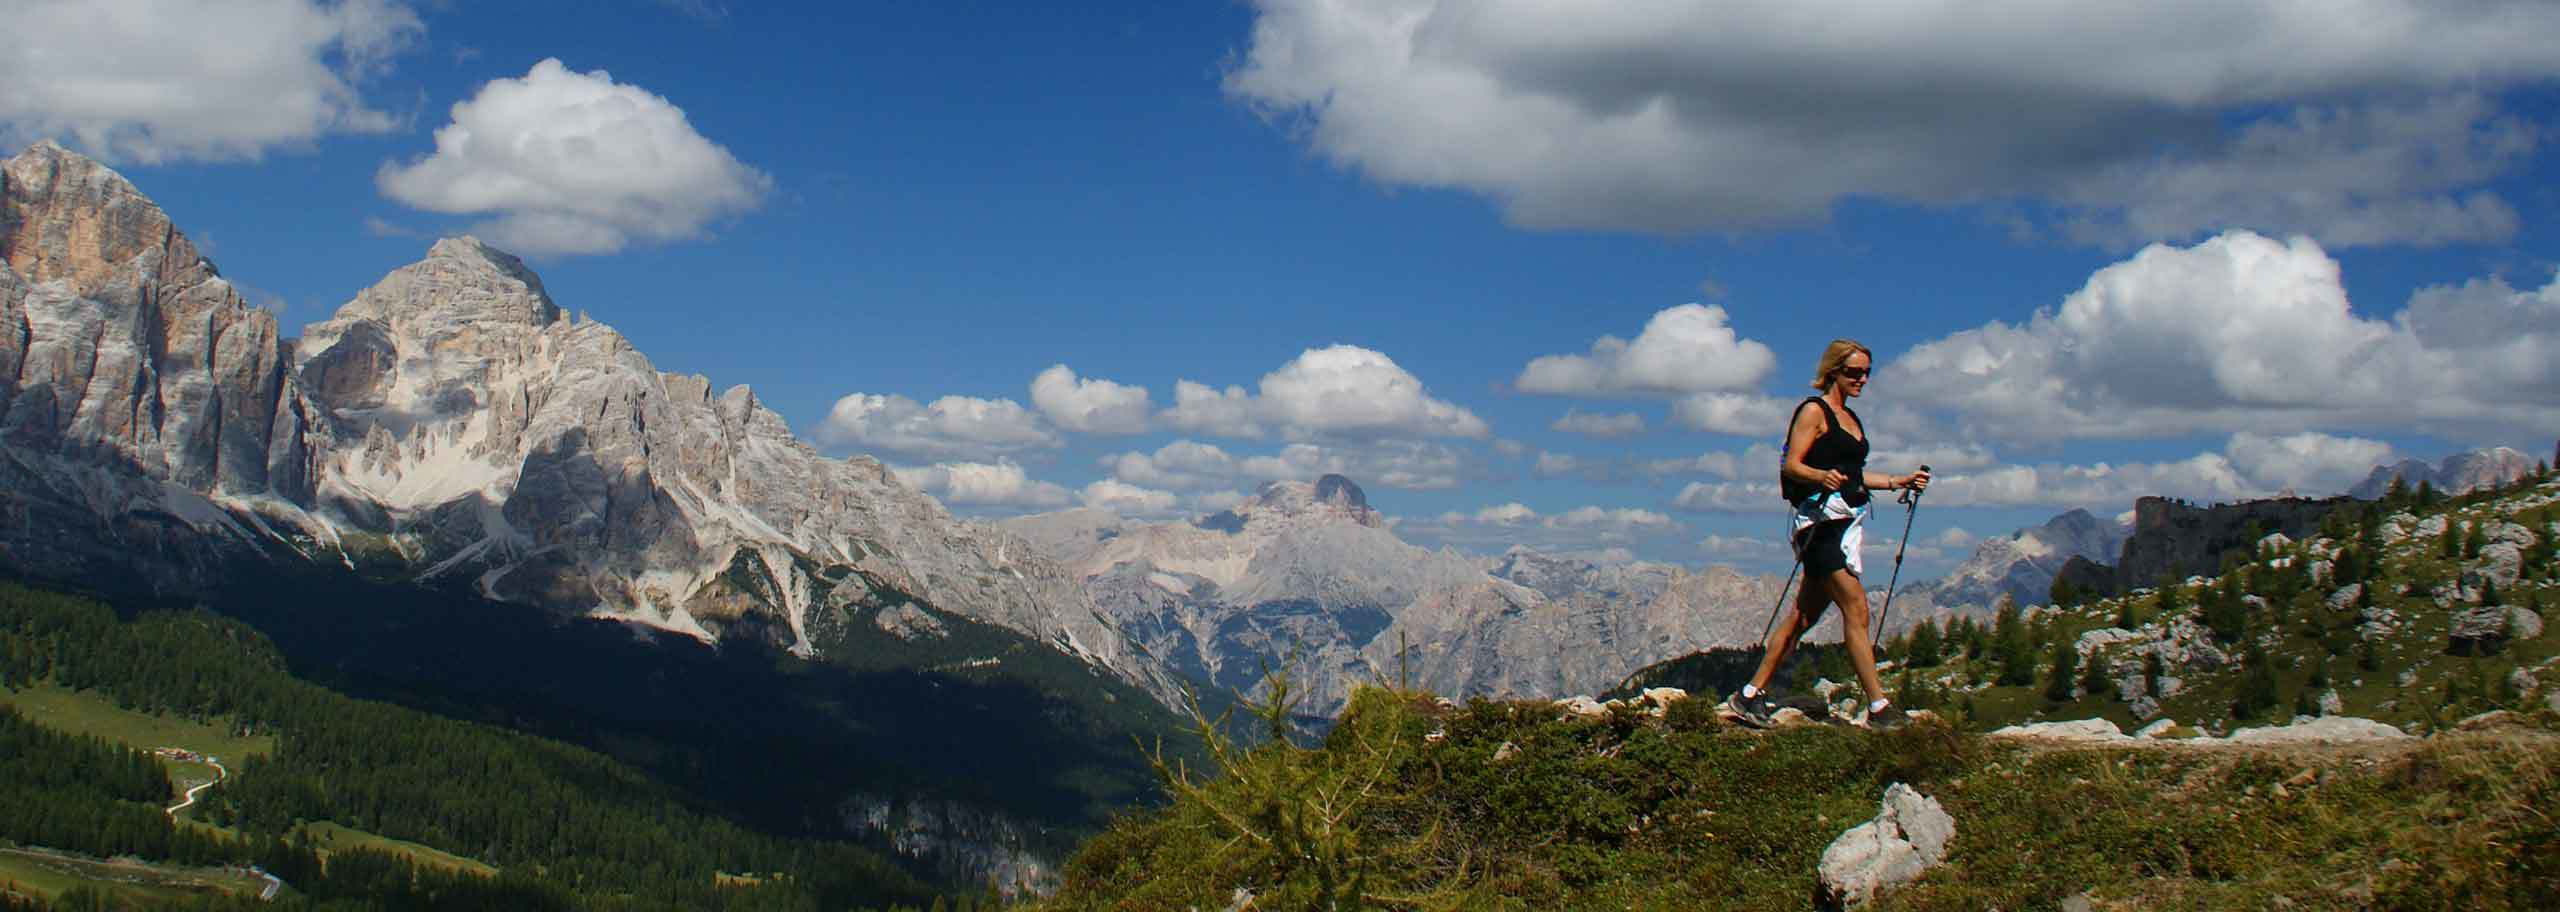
x: 1827, y: 414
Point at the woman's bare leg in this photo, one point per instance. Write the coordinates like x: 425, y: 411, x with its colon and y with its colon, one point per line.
x: 1810, y: 600
x: 1844, y: 588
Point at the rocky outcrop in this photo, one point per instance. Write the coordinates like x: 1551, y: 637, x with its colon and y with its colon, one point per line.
x: 2172, y: 539
x: 1908, y: 836
x: 2478, y: 630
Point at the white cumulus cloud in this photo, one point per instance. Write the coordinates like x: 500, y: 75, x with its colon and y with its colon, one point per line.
x: 1686, y: 349
x: 2204, y: 478
x: 1558, y: 465
x: 1730, y: 497
x: 1604, y: 425
x: 2361, y: 121
x: 989, y: 484
x: 1617, y: 518
x: 2310, y: 463
x: 1183, y: 465
x: 571, y: 162
x: 1337, y: 391
x: 1509, y: 514
x: 1130, y: 500
x: 2245, y: 333
x: 1739, y: 414
x: 1190, y: 465
x: 951, y: 428
x: 1757, y: 459
x: 1089, y: 405
x: 161, y: 80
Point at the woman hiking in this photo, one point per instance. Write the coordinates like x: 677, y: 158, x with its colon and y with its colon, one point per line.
x: 1823, y: 474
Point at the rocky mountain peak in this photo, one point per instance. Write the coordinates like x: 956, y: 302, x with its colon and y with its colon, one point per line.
x: 1330, y: 497
x: 1341, y: 492
x: 66, y: 217
x: 461, y: 283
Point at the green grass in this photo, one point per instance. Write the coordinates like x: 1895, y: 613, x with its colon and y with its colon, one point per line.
x: 1628, y: 812
x: 330, y: 837
x: 92, y: 713
x: 48, y: 875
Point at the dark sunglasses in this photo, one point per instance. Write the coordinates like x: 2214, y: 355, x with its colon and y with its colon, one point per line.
x: 1854, y: 373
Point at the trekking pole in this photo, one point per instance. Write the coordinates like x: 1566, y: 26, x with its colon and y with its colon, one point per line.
x: 1911, y: 509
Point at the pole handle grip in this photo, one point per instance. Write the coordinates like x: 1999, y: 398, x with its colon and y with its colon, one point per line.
x: 1912, y: 495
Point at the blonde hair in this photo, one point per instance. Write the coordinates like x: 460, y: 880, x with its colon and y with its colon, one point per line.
x: 1836, y: 356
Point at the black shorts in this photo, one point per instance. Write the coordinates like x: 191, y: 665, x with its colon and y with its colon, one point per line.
x: 1826, y: 549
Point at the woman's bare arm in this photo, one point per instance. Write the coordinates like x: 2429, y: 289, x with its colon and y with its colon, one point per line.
x: 1808, y: 426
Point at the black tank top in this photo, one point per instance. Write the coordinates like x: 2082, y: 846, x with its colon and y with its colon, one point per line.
x: 1836, y: 449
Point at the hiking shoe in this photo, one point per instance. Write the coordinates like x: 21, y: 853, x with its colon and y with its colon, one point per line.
x: 1887, y: 719
x: 1753, y: 712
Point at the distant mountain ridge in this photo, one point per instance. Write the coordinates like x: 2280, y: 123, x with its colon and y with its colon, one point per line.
x: 1308, y: 571
x: 2460, y: 473
x: 2021, y: 566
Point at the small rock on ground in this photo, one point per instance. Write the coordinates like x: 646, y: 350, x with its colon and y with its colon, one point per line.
x: 1908, y: 836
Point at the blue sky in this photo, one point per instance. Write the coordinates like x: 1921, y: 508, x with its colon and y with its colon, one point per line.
x: 1358, y: 225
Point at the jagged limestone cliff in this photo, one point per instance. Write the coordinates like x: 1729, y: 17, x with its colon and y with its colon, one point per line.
x: 449, y: 424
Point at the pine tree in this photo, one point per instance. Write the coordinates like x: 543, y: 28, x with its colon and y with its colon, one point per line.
x: 2367, y: 658
x: 2125, y: 616
x: 2066, y: 672
x: 1925, y: 650
x: 2474, y: 539
x: 2152, y: 670
x: 2224, y: 613
x: 2303, y: 705
x: 2489, y: 593
x: 1915, y: 691
x: 2011, y: 649
x: 2426, y: 494
x: 2168, y: 599
x: 2396, y: 496
x: 2093, y: 677
x: 2257, y: 685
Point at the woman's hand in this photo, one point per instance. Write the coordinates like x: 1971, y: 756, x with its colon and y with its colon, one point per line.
x: 1917, y: 481
x: 1832, y: 479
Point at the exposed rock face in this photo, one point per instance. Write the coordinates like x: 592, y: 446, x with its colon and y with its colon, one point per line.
x: 449, y: 423
x: 2176, y: 540
x: 119, y: 343
x: 135, y: 383
x: 1908, y: 836
x: 961, y: 840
